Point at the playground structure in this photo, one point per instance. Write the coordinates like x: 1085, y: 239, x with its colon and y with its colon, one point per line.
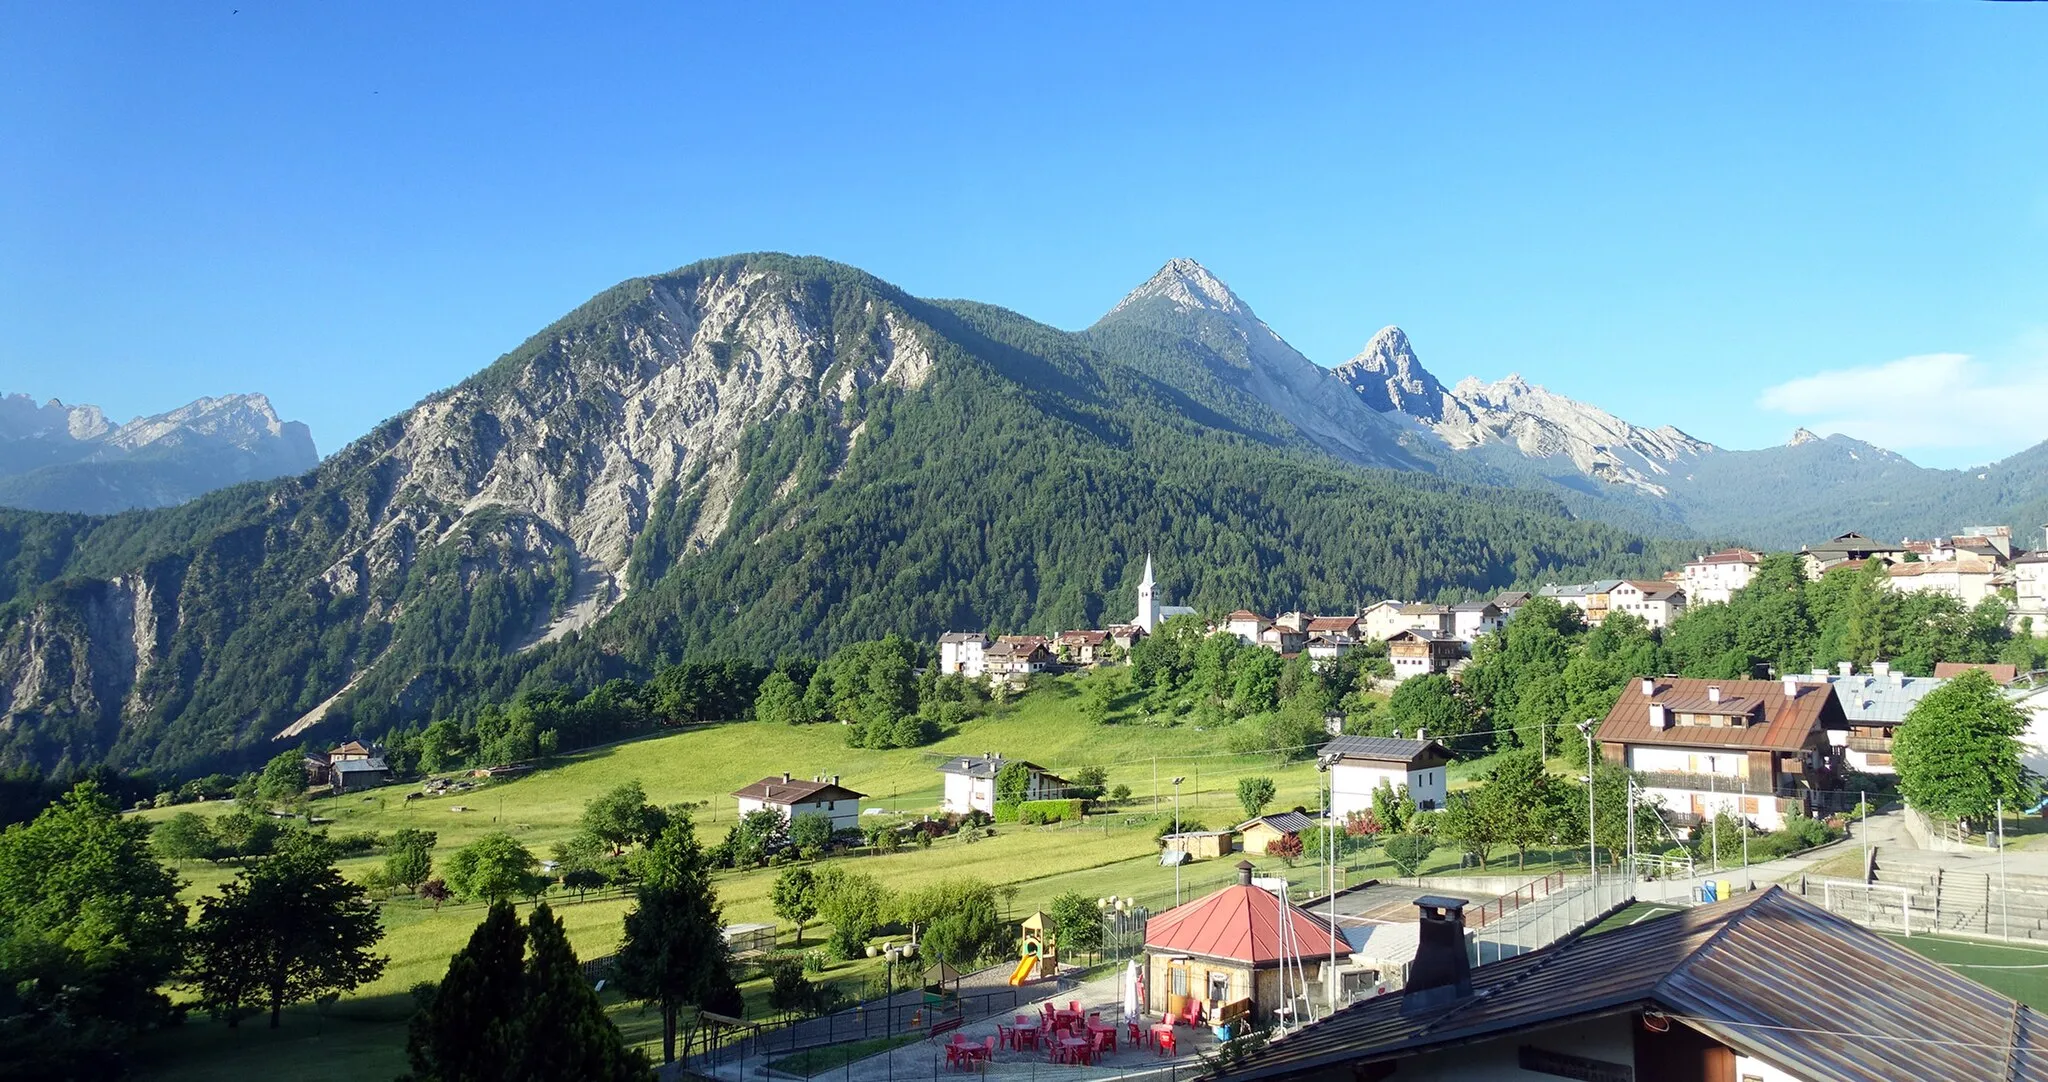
x: 1040, y: 958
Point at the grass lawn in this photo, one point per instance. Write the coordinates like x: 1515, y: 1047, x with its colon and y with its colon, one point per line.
x: 1111, y: 854
x: 2013, y: 970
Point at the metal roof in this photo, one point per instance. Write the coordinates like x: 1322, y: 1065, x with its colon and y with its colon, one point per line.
x: 1868, y: 699
x: 1241, y: 923
x: 1284, y: 822
x: 1391, y: 749
x: 1772, y: 975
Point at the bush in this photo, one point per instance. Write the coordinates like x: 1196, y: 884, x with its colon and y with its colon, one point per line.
x: 355, y: 843
x: 1120, y: 795
x: 1006, y: 811
x: 1799, y: 833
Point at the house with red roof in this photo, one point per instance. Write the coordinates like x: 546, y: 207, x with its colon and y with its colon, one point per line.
x: 1223, y: 954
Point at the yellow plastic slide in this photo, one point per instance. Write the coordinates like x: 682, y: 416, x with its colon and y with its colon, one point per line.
x: 1023, y: 971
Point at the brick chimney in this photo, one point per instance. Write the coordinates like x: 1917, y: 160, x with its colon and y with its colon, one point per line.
x: 1441, y: 972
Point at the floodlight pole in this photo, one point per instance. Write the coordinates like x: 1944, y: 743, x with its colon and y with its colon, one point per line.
x: 1183, y: 841
x: 1592, y: 856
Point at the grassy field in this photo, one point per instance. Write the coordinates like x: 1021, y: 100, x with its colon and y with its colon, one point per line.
x: 1112, y: 853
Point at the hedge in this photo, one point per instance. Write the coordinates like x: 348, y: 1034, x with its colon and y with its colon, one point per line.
x: 1049, y: 811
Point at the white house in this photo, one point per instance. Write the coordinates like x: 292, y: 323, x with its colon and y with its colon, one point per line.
x: 1758, y: 749
x: 1657, y: 603
x: 971, y: 783
x: 1713, y: 579
x: 1965, y: 578
x: 1507, y: 601
x: 1471, y: 619
x: 1246, y: 625
x: 792, y: 797
x: 1358, y: 764
x: 1416, y: 652
x: 1423, y: 616
x: 1379, y: 620
x: 2028, y: 577
x: 1873, y: 706
x: 960, y: 653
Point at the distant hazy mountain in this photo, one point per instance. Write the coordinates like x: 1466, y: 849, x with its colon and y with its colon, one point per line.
x: 55, y: 457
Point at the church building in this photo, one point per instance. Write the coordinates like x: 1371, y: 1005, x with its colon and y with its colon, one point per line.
x: 1150, y: 612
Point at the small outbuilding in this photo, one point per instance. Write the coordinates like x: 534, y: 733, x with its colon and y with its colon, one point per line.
x: 1267, y: 829
x: 1222, y: 955
x: 1201, y: 844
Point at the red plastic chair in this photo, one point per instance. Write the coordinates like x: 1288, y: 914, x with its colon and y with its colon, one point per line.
x: 1165, y: 1043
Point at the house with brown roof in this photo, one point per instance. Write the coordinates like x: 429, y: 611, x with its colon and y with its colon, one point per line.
x: 1824, y: 556
x: 1768, y: 986
x: 1125, y: 636
x: 791, y: 797
x: 1082, y: 647
x: 1969, y: 579
x: 1013, y: 658
x: 1425, y: 616
x: 1335, y: 627
x: 1417, y: 652
x: 1283, y: 640
x: 1655, y: 603
x: 1754, y: 748
x: 1221, y: 956
x: 1379, y: 620
x: 1246, y: 625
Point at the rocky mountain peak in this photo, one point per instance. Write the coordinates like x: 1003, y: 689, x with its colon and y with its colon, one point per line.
x: 1800, y: 436
x: 1188, y: 286
x: 1387, y: 376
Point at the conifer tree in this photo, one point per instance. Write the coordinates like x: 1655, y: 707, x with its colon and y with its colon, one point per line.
x: 469, y: 1031
x: 563, y: 1029
x: 674, y: 953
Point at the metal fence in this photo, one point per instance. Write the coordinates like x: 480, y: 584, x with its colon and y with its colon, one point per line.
x: 1919, y: 900
x: 982, y: 994
x: 1536, y: 924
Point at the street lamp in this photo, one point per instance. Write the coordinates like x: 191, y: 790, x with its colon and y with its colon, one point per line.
x: 1183, y: 841
x: 1592, y: 860
x: 1323, y: 764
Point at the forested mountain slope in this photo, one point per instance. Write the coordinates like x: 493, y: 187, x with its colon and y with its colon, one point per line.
x: 758, y: 455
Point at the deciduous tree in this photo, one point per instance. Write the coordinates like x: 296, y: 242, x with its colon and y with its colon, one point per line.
x: 1958, y: 752
x: 674, y: 954
x: 286, y: 930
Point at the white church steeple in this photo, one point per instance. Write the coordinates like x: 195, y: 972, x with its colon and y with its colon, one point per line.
x: 1148, y: 607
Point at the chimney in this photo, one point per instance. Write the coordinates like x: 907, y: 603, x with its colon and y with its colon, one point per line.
x: 1244, y: 873
x: 1649, y: 687
x: 1713, y: 693
x: 835, y: 779
x: 1881, y: 668
x: 785, y: 775
x: 1420, y: 734
x: 1658, y: 718
x: 1441, y: 972
x: 1847, y: 668
x: 1791, y: 687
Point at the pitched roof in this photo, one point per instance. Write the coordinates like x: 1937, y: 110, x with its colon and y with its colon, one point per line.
x: 1284, y: 822
x: 1241, y: 923
x: 1333, y: 623
x: 964, y: 636
x: 1730, y: 556
x: 1652, y: 590
x: 1090, y: 638
x: 786, y: 790
x: 1851, y: 542
x: 1777, y: 721
x: 2001, y: 674
x: 1423, y: 608
x: 1771, y: 974
x: 986, y: 766
x: 1869, y: 699
x: 1961, y: 565
x: 1474, y: 606
x: 359, y: 766
x: 353, y: 747
x: 1508, y: 599
x: 1385, y: 749
x: 1423, y: 634
x: 1246, y: 614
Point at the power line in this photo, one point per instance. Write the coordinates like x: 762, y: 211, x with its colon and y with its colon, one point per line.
x: 1940, y: 1041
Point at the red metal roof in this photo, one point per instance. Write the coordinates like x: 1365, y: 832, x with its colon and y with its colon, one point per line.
x: 1241, y: 924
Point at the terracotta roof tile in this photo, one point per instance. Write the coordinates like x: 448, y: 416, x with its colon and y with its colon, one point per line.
x: 1780, y: 722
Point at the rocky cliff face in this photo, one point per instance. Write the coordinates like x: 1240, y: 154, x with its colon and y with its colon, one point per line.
x: 1386, y: 376
x: 55, y: 457
x: 494, y: 516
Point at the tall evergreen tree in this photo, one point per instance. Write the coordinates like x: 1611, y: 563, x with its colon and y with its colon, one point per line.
x: 674, y: 954
x: 470, y: 1030
x: 564, y: 1032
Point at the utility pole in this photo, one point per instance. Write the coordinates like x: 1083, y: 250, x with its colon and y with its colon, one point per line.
x: 1592, y: 857
x: 1713, y: 809
x: 1183, y: 841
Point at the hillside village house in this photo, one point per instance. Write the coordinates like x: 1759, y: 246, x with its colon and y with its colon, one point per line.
x: 790, y: 797
x: 1283, y: 640
x: 1471, y: 619
x: 1358, y: 764
x: 1125, y: 636
x: 1713, y: 579
x: 1423, y: 616
x: 960, y: 654
x: 1768, y: 987
x: 1337, y: 628
x: 1418, y: 653
x: 1015, y: 657
x: 1873, y: 706
x: 1656, y: 603
x: 971, y: 783
x: 2028, y: 577
x: 1968, y: 579
x: 1822, y: 557
x: 1246, y: 625
x: 1294, y: 621
x: 1754, y: 748
x: 1379, y: 620
x: 1082, y: 647
x: 1590, y: 598
x: 1325, y: 647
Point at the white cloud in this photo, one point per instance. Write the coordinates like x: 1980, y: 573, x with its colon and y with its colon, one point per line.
x: 1933, y: 402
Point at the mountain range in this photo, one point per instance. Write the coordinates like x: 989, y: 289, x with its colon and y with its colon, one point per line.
x: 55, y: 457
x: 764, y: 455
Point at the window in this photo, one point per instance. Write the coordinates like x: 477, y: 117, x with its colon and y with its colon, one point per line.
x: 1177, y: 979
x: 1219, y: 987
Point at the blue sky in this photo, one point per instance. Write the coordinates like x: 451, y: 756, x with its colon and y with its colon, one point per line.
x: 1732, y: 219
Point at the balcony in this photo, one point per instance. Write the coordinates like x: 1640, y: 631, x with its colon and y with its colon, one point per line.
x: 1700, y: 783
x: 1871, y: 743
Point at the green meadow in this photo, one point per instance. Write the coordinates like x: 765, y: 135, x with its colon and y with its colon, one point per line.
x: 1112, y: 853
